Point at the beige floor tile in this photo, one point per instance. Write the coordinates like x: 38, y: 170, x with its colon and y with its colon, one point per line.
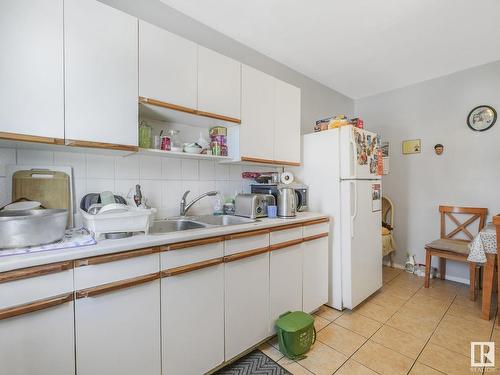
x: 445, y: 360
x: 271, y: 351
x: 328, y: 313
x: 412, y: 324
x: 274, y: 342
x: 351, y: 367
x: 470, y: 311
x: 421, y: 369
x: 383, y: 360
x: 384, y: 298
x: 389, y: 274
x: 341, y: 339
x: 293, y: 367
x: 400, y: 341
x: 322, y: 360
x: 358, y: 323
x: 320, y: 323
x: 376, y: 312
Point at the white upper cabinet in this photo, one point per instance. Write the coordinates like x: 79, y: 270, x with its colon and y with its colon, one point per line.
x: 167, y: 66
x: 100, y: 73
x: 287, y: 123
x: 219, y: 84
x: 31, y: 67
x: 257, y: 114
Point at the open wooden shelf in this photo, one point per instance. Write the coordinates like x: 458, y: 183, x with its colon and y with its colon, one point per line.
x: 185, y: 155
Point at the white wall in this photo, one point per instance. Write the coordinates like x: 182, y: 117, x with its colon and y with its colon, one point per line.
x: 467, y: 174
x: 318, y: 101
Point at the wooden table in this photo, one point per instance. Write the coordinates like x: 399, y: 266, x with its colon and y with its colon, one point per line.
x: 488, y: 275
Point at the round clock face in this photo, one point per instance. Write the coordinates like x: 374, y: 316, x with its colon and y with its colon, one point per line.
x: 482, y: 118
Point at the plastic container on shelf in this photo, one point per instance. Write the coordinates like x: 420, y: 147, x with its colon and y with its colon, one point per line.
x: 144, y: 135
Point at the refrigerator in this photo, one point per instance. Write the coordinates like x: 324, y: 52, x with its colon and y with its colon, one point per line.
x: 342, y: 168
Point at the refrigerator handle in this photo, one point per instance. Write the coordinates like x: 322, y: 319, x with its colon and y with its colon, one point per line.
x: 355, y: 197
x: 352, y: 159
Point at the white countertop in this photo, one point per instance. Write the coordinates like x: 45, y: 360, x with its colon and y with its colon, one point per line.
x: 142, y: 241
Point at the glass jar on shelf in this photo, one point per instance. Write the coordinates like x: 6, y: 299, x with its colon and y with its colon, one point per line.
x: 144, y: 135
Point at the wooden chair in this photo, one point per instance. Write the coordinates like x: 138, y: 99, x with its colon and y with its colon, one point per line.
x: 448, y: 247
x: 388, y: 243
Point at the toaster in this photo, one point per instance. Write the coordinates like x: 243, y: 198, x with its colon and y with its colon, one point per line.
x: 253, y: 205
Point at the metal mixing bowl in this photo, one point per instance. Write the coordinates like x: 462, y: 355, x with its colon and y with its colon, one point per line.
x: 31, y: 227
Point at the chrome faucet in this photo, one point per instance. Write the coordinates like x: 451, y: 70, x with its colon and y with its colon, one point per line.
x: 185, y: 207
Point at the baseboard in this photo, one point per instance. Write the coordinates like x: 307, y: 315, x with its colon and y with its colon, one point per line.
x: 447, y: 277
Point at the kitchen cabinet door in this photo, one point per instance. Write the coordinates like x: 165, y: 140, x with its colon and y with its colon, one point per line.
x: 287, y: 123
x: 285, y: 281
x: 193, y: 321
x: 31, y: 71
x: 246, y: 303
x: 167, y: 66
x: 257, y: 114
x: 118, y: 331
x: 219, y: 84
x: 100, y: 74
x: 315, y: 286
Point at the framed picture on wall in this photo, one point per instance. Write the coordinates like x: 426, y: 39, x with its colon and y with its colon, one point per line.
x: 412, y: 146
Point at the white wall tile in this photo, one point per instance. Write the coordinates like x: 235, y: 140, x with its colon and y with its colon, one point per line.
x: 3, y: 192
x: 100, y: 166
x: 7, y: 156
x: 152, y: 190
x: 171, y: 169
x: 235, y: 172
x: 223, y: 187
x: 80, y: 189
x: 221, y: 172
x: 76, y: 160
x: 171, y: 197
x: 189, y: 169
x: 98, y: 185
x: 150, y: 167
x: 206, y: 205
x: 207, y: 170
x: 127, y: 167
x: 123, y: 186
x: 35, y: 157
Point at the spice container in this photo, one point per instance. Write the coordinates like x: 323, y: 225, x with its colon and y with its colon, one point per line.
x: 218, y: 140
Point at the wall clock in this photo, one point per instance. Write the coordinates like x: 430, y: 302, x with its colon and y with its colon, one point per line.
x: 481, y: 118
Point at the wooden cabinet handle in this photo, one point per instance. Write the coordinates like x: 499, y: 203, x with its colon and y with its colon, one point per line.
x: 285, y: 227
x: 245, y: 254
x: 318, y: 221
x: 115, y: 257
x: 26, y: 273
x: 186, y: 244
x: 191, y: 267
x: 117, y: 285
x: 315, y: 237
x: 10, y: 312
x: 246, y: 234
x: 282, y: 245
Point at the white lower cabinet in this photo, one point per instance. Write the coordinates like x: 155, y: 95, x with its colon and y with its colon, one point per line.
x: 246, y: 303
x: 285, y: 281
x: 315, y: 273
x: 193, y: 321
x: 118, y: 331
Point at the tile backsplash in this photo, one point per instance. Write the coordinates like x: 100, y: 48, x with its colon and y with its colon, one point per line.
x: 163, y: 180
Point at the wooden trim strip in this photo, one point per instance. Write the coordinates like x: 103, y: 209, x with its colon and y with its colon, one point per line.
x: 109, y: 146
x: 252, y: 233
x: 282, y: 245
x: 318, y: 221
x: 245, y: 254
x: 269, y: 161
x: 285, y: 227
x: 315, y: 237
x: 291, y: 163
x: 191, y: 267
x: 30, y: 138
x: 115, y: 257
x: 10, y: 312
x: 185, y: 244
x: 26, y: 273
x: 218, y: 117
x: 116, y: 285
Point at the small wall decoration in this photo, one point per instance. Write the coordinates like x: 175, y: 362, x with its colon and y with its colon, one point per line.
x: 481, y: 118
x: 438, y: 149
x: 412, y: 146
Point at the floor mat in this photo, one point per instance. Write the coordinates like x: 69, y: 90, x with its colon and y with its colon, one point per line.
x: 254, y: 363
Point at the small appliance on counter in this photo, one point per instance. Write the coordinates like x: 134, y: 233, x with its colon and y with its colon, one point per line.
x: 287, y: 202
x: 253, y: 206
x: 301, y: 193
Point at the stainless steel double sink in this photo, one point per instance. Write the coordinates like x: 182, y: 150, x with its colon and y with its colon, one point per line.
x: 196, y: 222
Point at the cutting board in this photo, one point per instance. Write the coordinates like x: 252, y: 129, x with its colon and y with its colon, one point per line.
x: 51, y: 188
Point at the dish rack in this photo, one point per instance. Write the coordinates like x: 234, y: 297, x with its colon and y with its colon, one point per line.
x: 133, y: 220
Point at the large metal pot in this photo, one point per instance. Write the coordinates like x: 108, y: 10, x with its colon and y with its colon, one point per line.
x: 31, y: 227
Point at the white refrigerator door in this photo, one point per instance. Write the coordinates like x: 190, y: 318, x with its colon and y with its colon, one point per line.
x: 361, y: 240
x: 358, y: 153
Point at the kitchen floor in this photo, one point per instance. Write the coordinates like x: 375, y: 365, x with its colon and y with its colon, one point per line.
x: 402, y: 329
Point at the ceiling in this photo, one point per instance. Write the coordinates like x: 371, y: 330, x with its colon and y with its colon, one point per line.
x: 360, y: 47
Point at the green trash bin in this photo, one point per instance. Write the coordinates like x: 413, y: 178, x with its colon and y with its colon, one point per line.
x: 296, y: 333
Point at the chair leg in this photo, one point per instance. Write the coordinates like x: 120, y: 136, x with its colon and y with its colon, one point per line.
x: 391, y: 260
x: 472, y: 281
x: 428, y: 257
x: 442, y: 268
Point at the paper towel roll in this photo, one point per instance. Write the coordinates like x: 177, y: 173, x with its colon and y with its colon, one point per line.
x: 286, y: 178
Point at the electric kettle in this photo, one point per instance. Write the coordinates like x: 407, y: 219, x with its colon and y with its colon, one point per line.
x: 287, y: 202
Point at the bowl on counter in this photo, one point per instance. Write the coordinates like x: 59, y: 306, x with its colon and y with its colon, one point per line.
x: 192, y: 148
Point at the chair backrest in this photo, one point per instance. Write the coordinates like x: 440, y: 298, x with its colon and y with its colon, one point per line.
x: 475, y: 213
x: 387, y: 211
